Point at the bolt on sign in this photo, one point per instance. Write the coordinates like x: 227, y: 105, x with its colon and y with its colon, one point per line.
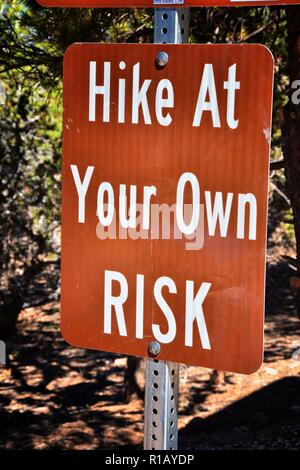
x: 164, y: 210
x: 162, y: 3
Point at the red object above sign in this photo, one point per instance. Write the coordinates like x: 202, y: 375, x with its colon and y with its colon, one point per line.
x: 162, y: 3
x: 165, y: 185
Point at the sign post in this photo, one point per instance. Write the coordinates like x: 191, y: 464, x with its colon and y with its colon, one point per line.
x: 171, y: 25
x: 161, y: 405
x: 164, y: 204
x: 162, y: 377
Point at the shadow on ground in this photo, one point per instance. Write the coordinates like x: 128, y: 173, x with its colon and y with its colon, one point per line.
x: 54, y: 396
x: 268, y: 418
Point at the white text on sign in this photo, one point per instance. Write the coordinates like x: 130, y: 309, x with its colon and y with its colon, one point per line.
x: 207, y: 101
x: 193, y: 308
x: 218, y: 206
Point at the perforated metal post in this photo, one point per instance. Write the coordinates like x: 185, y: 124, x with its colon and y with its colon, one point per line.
x: 2, y: 353
x: 171, y: 26
x: 161, y: 405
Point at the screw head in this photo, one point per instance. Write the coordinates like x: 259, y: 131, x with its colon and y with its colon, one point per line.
x: 162, y: 59
x: 154, y: 348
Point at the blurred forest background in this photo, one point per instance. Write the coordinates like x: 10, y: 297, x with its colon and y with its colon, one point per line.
x: 41, y: 388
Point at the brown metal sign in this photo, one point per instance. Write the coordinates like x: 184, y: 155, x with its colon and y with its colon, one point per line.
x: 162, y: 3
x: 165, y: 182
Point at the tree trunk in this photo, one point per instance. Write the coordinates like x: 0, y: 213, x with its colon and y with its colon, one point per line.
x: 131, y: 386
x: 291, y: 127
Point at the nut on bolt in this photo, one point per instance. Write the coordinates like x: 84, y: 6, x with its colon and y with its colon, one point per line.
x: 154, y: 348
x: 162, y: 59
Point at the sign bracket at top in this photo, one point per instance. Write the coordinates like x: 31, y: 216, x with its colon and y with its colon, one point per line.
x: 163, y: 3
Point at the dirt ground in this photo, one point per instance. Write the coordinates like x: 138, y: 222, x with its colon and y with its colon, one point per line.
x: 54, y: 396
